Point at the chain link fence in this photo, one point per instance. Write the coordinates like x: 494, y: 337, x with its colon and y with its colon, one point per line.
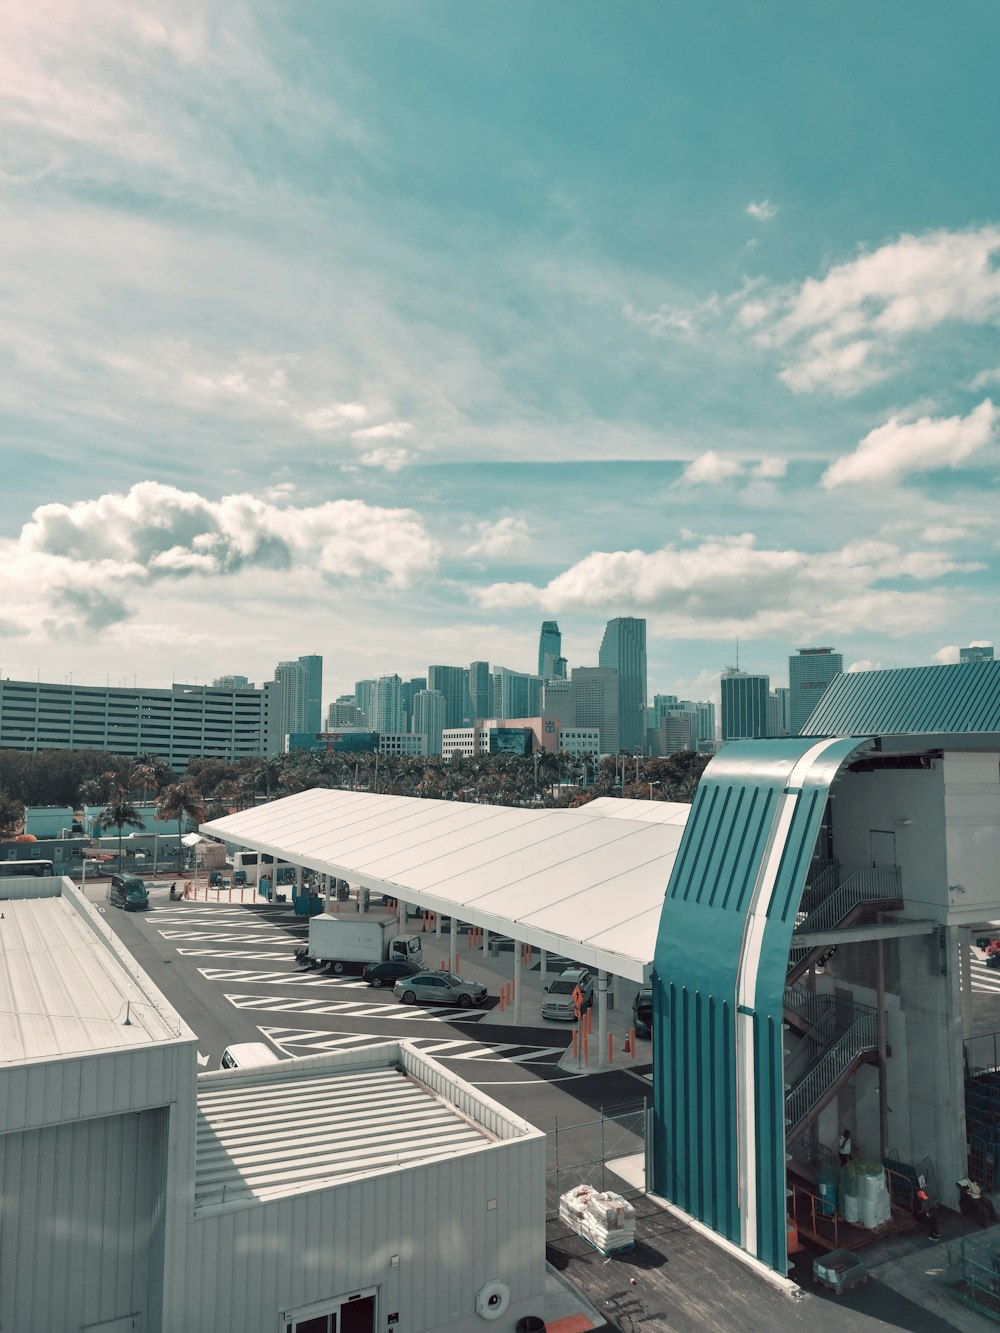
x: 578, y: 1153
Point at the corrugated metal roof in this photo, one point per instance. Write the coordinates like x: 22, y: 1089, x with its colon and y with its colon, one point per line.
x: 928, y: 700
x: 577, y: 882
x: 292, y: 1129
x: 66, y: 985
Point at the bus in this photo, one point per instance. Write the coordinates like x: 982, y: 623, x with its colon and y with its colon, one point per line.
x: 14, y: 869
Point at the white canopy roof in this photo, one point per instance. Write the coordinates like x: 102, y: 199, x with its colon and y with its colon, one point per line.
x: 587, y: 883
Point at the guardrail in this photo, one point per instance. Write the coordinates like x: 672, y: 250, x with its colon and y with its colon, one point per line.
x: 863, y: 887
x: 859, y: 1039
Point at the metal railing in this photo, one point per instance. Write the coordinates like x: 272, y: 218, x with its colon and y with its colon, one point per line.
x: 832, y: 1063
x: 824, y: 1031
x: 822, y: 882
x: 864, y: 887
x: 809, y: 1006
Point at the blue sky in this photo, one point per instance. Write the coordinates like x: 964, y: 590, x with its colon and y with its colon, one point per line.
x: 388, y: 330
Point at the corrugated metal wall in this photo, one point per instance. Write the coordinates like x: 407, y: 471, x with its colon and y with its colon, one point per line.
x: 718, y: 1124
x: 81, y: 1223
x: 245, y: 1265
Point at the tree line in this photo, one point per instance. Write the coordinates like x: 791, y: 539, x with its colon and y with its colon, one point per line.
x: 209, y: 788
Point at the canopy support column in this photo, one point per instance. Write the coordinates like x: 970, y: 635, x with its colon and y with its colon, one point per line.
x: 453, y: 945
x: 518, y: 950
x: 602, y: 1018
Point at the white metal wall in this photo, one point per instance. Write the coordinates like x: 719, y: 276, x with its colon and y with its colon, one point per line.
x: 245, y: 1265
x: 82, y: 1223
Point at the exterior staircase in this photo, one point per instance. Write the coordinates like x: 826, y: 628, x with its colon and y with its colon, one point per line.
x: 828, y: 906
x: 831, y: 1068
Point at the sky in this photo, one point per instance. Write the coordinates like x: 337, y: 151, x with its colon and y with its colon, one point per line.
x: 386, y: 331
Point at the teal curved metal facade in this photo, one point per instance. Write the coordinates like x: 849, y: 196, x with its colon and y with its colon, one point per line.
x: 721, y: 959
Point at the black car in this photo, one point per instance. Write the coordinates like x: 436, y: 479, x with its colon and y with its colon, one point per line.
x: 389, y: 972
x: 642, y: 1012
x: 129, y: 892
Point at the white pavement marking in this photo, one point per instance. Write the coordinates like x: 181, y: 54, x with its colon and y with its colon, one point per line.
x: 202, y: 1059
x: 248, y: 978
x: 210, y: 936
x: 985, y: 980
x: 283, y: 957
x: 294, y: 1042
x: 349, y: 1008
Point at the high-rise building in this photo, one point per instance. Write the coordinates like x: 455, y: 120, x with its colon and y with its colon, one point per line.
x: 809, y: 674
x: 300, y: 690
x: 551, y: 663
x: 230, y: 682
x: 980, y: 652
x: 778, y: 703
x: 744, y: 704
x: 344, y: 713
x: 479, y: 691
x: 363, y: 695
x: 429, y: 708
x: 515, y: 694
x: 623, y: 649
x: 386, y: 713
x: 408, y: 690
x: 595, y: 692
x: 453, y: 683
x: 557, y: 701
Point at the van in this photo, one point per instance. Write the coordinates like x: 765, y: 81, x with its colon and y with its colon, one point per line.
x: 128, y: 892
x: 248, y: 1053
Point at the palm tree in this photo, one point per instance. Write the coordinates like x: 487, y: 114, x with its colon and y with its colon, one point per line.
x: 176, y: 801
x: 118, y: 813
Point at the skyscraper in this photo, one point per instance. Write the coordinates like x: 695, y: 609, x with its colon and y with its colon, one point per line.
x: 595, y: 693
x: 808, y: 676
x: 300, y: 689
x: 515, y: 694
x: 429, y: 708
x: 363, y: 695
x: 408, y: 691
x: 744, y: 704
x: 551, y: 663
x: 386, y: 713
x: 623, y: 649
x: 479, y: 691
x: 453, y: 683
x: 980, y: 652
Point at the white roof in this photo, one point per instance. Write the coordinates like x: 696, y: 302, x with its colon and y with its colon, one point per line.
x: 307, y: 1124
x: 588, y: 883
x: 66, y: 985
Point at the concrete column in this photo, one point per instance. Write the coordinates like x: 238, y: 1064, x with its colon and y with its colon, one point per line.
x: 543, y: 965
x: 518, y: 946
x: 965, y: 971
x: 326, y: 892
x: 453, y: 944
x: 602, y: 1019
x: 437, y: 924
x: 486, y: 942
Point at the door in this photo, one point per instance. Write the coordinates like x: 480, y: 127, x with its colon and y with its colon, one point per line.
x: 343, y: 1314
x: 883, y: 848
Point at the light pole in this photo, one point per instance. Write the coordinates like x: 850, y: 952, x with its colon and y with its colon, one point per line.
x: 651, y: 786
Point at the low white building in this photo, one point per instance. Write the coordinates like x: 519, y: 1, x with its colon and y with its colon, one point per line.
x: 369, y: 1184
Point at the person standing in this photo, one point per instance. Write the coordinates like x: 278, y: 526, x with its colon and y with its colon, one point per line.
x: 844, y: 1147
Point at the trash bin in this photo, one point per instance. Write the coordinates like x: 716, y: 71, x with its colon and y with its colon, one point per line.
x: 530, y: 1323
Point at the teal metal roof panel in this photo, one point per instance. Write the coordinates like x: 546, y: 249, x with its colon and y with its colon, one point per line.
x: 960, y: 698
x: 721, y: 959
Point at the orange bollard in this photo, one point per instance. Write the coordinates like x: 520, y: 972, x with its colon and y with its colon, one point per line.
x: 457, y: 957
x: 586, y: 1050
x: 502, y: 1005
x: 611, y: 1056
x: 576, y: 1044
x: 631, y: 1042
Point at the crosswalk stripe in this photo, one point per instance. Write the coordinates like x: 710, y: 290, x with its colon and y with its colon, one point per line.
x: 284, y: 956
x: 286, y: 1039
x: 209, y: 937
x: 249, y: 978
x: 353, y: 1008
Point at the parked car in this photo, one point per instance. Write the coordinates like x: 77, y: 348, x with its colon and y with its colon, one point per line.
x: 246, y: 1053
x: 389, y: 972
x: 439, y: 988
x: 128, y: 892
x: 559, y: 1002
x: 642, y: 1012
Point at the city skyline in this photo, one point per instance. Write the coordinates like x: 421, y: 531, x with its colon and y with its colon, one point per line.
x: 322, y: 329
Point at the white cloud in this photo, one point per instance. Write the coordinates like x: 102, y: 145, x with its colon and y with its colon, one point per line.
x: 898, y: 447
x: 841, y: 330
x: 386, y: 459
x: 89, y: 561
x: 730, y: 585
x: 763, y: 211
x: 710, y: 468
x: 984, y: 379
x: 866, y: 664
x: 389, y: 430
x: 335, y: 416
x: 674, y: 319
x: 500, y: 538
x: 947, y: 654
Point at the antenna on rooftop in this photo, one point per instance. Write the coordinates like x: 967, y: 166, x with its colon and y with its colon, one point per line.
x: 737, y: 652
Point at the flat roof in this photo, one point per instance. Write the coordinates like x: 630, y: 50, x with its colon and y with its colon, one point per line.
x: 66, y: 985
x: 588, y: 882
x: 304, y: 1125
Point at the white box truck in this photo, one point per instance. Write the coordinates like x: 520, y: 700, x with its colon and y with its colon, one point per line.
x: 347, y: 943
